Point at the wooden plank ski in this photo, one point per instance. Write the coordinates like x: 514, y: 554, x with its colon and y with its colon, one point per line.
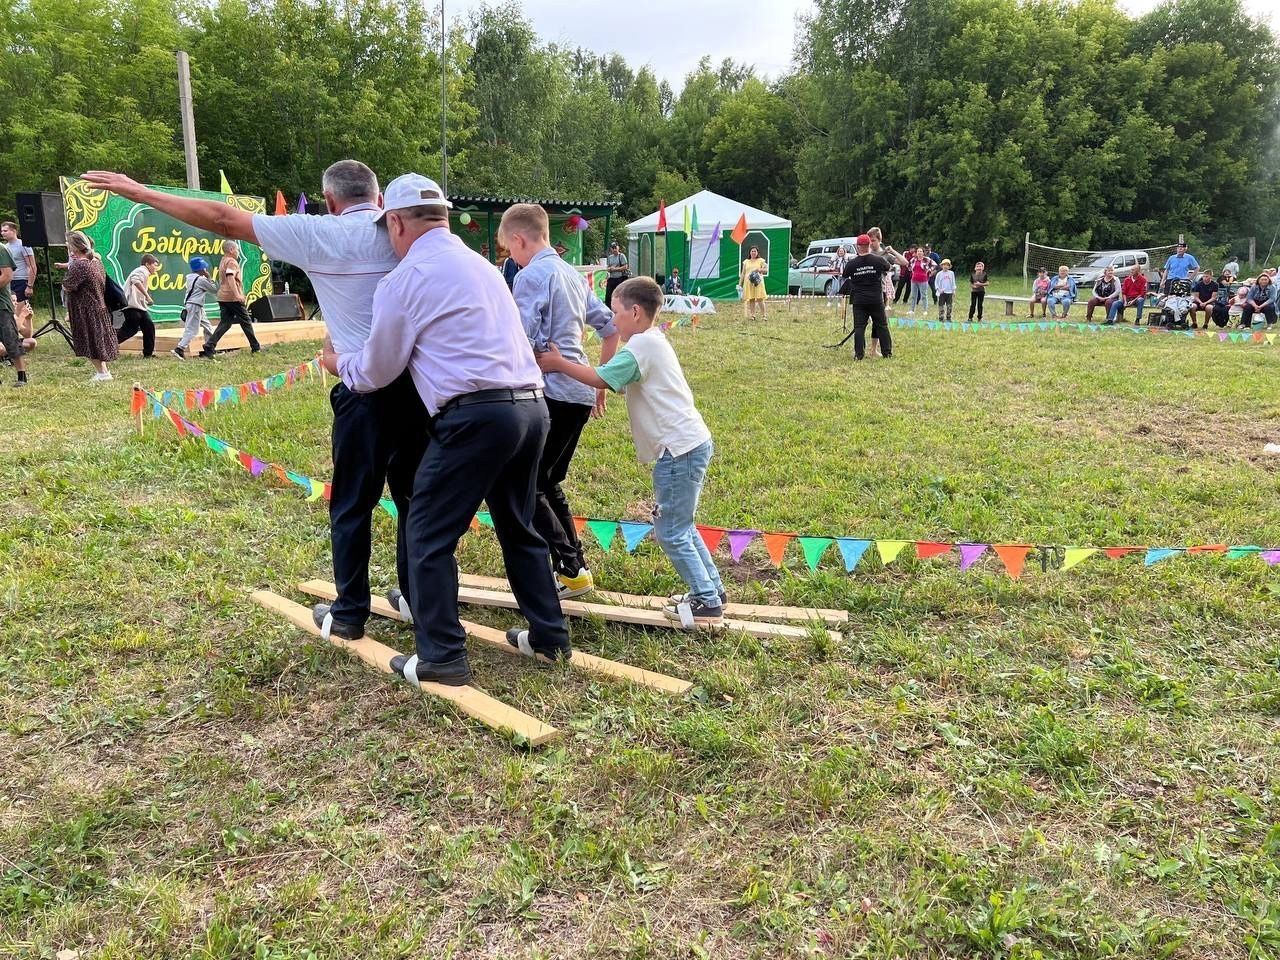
x: 747, y: 611
x: 633, y: 615
x: 472, y: 701
x: 583, y: 661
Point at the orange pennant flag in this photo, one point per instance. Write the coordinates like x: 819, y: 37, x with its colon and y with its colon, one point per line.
x: 137, y: 403
x: 711, y: 536
x: 579, y: 524
x: 1013, y: 556
x: 926, y: 549
x: 1115, y: 553
x: 281, y: 209
x: 1208, y: 548
x: 776, y: 544
x: 740, y: 230
x: 280, y: 472
x: 246, y: 461
x: 244, y: 391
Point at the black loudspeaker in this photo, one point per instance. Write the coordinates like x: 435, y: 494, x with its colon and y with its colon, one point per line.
x: 285, y: 306
x: 41, y: 220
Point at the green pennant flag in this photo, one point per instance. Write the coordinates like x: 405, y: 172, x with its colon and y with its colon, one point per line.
x: 389, y: 505
x: 814, y: 548
x: 1235, y: 553
x: 486, y: 520
x: 604, y: 531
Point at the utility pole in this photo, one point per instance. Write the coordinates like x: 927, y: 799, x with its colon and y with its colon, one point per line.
x: 444, y: 147
x: 188, y: 121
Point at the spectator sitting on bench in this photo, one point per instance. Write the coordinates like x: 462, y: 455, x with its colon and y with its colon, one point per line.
x: 1203, y: 294
x: 1260, y: 299
x: 1221, y: 306
x: 1106, y: 291
x: 673, y: 282
x: 1062, y: 292
x: 1040, y: 293
x: 1133, y: 293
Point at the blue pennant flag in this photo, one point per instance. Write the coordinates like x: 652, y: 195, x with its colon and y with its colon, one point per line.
x: 1156, y: 554
x: 633, y: 533
x: 852, y: 551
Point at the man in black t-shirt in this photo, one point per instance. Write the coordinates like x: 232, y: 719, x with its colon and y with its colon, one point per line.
x: 863, y: 283
x: 1203, y: 294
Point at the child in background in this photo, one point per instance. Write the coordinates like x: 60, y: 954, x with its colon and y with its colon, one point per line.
x: 945, y: 287
x: 977, y: 289
x: 668, y: 432
x: 1040, y: 292
x: 199, y: 286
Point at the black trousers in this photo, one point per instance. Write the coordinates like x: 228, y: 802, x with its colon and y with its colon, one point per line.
x: 135, y: 321
x: 609, y: 286
x: 378, y: 438
x: 976, y: 297
x: 903, y: 289
x: 862, y: 312
x: 1250, y: 308
x: 552, y: 517
x: 229, y: 314
x: 480, y: 452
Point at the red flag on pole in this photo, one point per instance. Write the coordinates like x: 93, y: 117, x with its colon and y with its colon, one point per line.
x: 740, y: 230
x: 280, y: 207
x: 662, y: 216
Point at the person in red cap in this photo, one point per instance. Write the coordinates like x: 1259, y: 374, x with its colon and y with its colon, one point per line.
x: 863, y: 276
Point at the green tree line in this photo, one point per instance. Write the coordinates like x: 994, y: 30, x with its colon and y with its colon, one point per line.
x: 964, y: 122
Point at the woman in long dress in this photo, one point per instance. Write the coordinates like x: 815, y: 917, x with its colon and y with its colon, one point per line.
x: 92, y: 335
x: 751, y: 278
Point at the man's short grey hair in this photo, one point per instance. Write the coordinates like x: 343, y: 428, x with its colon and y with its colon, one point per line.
x: 349, y: 180
x: 229, y: 247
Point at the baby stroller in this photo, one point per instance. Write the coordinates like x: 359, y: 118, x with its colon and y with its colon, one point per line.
x: 1175, y: 306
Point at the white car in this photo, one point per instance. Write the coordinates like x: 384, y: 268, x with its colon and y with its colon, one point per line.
x: 814, y: 274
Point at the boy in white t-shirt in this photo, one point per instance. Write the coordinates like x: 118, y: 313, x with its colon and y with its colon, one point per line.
x: 668, y: 432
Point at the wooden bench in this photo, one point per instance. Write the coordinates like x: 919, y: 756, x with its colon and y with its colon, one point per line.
x: 1008, y: 302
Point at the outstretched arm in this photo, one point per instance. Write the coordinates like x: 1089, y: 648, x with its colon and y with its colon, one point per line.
x: 219, y: 218
x: 551, y: 361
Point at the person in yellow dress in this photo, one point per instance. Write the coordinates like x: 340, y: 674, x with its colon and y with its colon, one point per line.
x: 754, y: 269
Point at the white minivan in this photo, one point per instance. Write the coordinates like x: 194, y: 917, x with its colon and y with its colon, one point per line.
x: 830, y: 246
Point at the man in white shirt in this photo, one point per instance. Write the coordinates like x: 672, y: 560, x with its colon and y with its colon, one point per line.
x: 23, y: 281
x: 378, y: 437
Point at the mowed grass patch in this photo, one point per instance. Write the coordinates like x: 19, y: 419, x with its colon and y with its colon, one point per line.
x: 1076, y: 764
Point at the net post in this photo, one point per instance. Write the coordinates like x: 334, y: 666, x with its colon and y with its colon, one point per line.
x: 1026, y: 255
x: 1253, y: 251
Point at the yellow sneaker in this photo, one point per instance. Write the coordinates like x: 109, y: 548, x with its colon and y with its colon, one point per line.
x: 569, y: 587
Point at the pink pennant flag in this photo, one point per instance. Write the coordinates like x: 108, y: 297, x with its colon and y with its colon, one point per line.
x: 1271, y: 556
x: 969, y: 553
x: 1222, y: 337
x: 739, y: 540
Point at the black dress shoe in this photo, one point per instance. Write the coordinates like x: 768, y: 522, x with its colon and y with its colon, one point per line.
x: 452, y: 673
x: 322, y: 612
x: 520, y: 639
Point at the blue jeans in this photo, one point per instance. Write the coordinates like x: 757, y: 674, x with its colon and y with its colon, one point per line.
x: 1117, y: 308
x: 1059, y: 300
x: 920, y: 295
x: 677, y: 483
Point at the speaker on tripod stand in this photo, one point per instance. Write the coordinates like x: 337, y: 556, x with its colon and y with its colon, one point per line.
x: 42, y: 223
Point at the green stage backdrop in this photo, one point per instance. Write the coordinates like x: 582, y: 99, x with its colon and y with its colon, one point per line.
x: 122, y: 231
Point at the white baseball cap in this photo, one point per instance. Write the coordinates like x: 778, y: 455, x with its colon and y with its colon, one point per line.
x: 412, y: 190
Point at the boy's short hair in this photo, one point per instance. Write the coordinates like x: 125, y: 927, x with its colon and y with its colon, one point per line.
x: 640, y: 292
x: 149, y: 258
x: 527, y: 219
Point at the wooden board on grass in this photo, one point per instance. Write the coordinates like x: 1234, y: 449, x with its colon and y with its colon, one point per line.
x: 633, y: 615
x: 747, y: 611
x: 472, y: 701
x: 582, y: 661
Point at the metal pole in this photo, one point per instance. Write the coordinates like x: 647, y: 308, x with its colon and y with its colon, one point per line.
x: 444, y: 147
x: 1253, y: 251
x: 188, y: 121
x: 1026, y: 253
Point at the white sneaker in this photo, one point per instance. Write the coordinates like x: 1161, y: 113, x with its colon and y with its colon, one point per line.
x: 102, y: 377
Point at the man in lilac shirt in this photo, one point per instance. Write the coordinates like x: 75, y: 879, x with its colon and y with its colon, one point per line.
x: 446, y: 314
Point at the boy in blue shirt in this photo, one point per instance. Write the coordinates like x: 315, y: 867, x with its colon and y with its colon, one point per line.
x: 669, y: 433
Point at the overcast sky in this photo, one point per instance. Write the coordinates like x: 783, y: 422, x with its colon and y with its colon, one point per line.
x: 672, y: 35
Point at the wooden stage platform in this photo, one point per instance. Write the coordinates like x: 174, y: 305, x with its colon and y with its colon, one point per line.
x: 284, y: 331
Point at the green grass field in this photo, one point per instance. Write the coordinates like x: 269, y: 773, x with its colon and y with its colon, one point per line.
x: 1076, y: 764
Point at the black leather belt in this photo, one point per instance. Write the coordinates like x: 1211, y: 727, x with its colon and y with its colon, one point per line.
x: 492, y: 396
